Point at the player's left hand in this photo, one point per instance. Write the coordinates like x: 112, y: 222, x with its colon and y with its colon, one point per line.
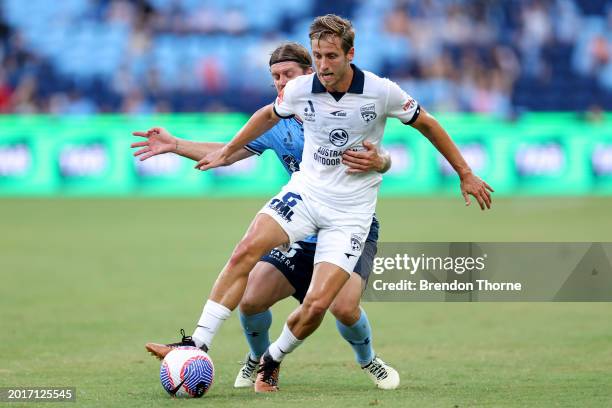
x: 215, y: 159
x: 475, y: 186
x: 363, y: 161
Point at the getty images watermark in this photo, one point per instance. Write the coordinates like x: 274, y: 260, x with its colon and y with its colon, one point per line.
x: 422, y: 263
x: 491, y: 272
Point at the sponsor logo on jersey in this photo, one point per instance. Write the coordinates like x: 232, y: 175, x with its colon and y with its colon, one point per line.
x: 328, y: 157
x: 288, y: 141
x: 339, y: 114
x: 368, y: 112
x: 338, y: 137
x: 410, y: 104
x: 309, y: 112
x: 283, y: 206
x: 284, y: 258
x: 292, y: 164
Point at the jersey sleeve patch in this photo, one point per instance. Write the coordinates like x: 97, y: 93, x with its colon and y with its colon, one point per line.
x: 417, y: 112
x: 400, y: 105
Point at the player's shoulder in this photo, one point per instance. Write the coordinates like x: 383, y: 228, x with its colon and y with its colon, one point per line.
x: 300, y: 84
x: 288, y: 124
x: 376, y: 84
x: 283, y: 126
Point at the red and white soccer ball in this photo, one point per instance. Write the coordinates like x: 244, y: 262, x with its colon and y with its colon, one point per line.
x: 187, y: 372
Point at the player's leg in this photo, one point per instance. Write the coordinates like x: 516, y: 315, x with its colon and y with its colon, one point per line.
x: 339, y: 247
x: 266, y: 286
x: 284, y: 219
x: 281, y: 273
x: 263, y: 234
x: 290, y: 274
x: 353, y: 324
x: 352, y: 321
x: 327, y: 280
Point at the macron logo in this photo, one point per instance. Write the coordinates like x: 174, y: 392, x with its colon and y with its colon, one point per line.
x: 339, y: 113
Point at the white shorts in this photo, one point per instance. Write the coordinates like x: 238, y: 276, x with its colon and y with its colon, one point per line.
x: 341, y: 234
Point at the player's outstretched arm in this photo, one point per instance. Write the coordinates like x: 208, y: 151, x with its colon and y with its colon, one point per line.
x: 470, y: 183
x: 261, y: 121
x: 159, y: 141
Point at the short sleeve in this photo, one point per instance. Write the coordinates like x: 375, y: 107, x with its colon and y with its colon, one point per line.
x: 258, y: 146
x: 268, y: 140
x: 401, y: 105
x: 283, y: 105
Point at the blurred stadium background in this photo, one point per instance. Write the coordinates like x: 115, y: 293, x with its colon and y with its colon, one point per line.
x: 89, y: 72
x: 524, y: 87
x: 146, y: 56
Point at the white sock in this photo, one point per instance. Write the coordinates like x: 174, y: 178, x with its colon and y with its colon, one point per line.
x: 284, y: 345
x: 213, y: 315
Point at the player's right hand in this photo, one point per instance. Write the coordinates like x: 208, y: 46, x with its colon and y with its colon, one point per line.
x: 218, y: 158
x: 158, y: 141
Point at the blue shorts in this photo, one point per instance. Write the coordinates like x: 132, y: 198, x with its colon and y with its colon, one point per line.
x: 296, y: 264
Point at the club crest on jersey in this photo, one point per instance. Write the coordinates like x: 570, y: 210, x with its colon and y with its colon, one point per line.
x: 338, y: 137
x: 309, y: 112
x: 356, y: 242
x: 368, y: 112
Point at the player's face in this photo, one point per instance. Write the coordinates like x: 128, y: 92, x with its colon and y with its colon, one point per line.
x: 331, y: 62
x: 284, y: 72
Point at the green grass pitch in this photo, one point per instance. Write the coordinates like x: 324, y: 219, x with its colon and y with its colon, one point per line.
x: 85, y: 283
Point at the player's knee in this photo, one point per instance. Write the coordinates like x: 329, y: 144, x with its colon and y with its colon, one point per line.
x: 247, y: 251
x: 314, y: 309
x: 346, y: 312
x: 250, y: 306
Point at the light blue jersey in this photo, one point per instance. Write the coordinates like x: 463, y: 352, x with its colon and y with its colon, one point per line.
x: 286, y: 139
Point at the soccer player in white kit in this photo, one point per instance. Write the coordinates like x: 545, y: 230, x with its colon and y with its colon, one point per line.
x: 341, y: 107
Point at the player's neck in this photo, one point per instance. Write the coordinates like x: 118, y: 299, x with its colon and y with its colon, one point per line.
x: 344, y: 85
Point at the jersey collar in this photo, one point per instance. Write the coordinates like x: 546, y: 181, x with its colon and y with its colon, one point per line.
x: 356, y: 86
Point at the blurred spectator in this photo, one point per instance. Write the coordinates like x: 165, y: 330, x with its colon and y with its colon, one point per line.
x: 135, y: 103
x: 5, y: 93
x: 24, y: 100
x: 141, y: 56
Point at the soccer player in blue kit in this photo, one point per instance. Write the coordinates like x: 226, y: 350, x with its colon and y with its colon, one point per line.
x: 287, y: 272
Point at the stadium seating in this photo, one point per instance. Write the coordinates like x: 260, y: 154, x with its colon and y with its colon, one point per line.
x: 212, y: 54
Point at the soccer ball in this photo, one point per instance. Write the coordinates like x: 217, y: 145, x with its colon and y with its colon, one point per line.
x: 187, y: 372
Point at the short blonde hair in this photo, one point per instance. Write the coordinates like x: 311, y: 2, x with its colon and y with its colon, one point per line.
x: 331, y: 25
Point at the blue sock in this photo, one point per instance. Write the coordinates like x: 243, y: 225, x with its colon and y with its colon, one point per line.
x: 359, y: 336
x: 255, y: 329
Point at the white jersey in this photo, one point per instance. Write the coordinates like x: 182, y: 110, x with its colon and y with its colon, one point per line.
x: 334, y: 123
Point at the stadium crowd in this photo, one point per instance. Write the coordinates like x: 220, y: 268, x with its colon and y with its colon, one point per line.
x: 144, y: 56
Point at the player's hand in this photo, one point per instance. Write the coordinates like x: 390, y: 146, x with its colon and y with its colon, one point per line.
x: 158, y: 141
x: 218, y: 158
x: 365, y: 160
x: 475, y: 186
